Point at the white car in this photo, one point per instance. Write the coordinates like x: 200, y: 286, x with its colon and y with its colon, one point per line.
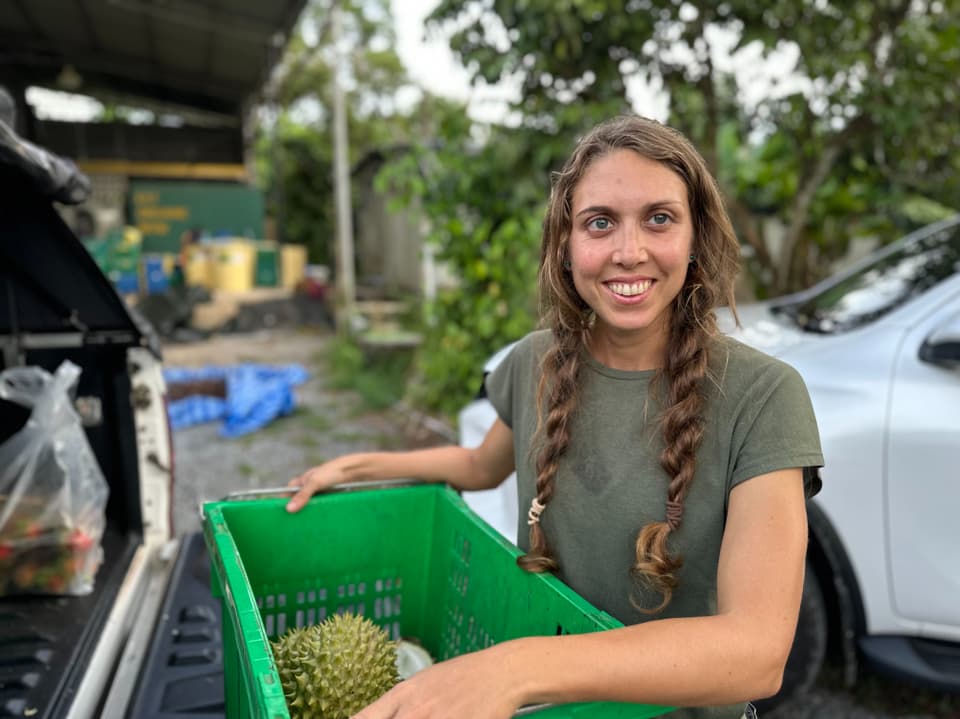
x: 879, y: 348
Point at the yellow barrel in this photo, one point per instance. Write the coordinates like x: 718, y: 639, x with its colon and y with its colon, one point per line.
x: 293, y: 264
x: 233, y: 264
x: 169, y: 262
x: 197, y: 271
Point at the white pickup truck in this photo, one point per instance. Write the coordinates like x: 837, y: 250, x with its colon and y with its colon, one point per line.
x: 146, y: 642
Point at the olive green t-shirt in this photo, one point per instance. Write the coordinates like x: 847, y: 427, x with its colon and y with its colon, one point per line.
x: 758, y: 418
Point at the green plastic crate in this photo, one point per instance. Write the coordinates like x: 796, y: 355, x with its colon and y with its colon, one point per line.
x: 414, y: 559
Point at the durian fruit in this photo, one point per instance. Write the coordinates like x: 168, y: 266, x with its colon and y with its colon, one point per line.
x: 334, y: 669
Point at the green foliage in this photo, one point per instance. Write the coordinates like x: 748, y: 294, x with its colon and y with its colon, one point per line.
x: 378, y: 377
x: 294, y: 147
x: 863, y: 119
x: 484, y: 205
x: 295, y: 167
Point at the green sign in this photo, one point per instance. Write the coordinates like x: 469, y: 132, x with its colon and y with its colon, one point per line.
x: 165, y: 211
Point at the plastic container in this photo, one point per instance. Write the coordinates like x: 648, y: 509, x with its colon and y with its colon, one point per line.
x: 267, y: 269
x: 416, y: 560
x: 126, y: 283
x: 232, y: 265
x: 156, y: 276
x: 293, y: 265
x: 197, y: 271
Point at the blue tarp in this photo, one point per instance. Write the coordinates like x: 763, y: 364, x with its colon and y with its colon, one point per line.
x: 256, y: 395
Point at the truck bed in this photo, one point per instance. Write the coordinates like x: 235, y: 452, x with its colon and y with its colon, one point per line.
x: 46, y: 642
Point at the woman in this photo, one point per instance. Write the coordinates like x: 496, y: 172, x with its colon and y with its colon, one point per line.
x: 631, y: 412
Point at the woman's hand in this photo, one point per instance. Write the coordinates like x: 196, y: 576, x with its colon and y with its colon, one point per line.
x: 314, y: 480
x: 479, y: 685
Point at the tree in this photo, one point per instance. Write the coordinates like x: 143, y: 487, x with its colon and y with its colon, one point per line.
x: 865, y: 111
x: 294, y: 145
x: 483, y: 209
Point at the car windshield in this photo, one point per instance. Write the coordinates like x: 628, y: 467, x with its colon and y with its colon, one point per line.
x: 881, y: 286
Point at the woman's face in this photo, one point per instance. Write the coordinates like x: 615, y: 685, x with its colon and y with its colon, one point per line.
x: 630, y: 243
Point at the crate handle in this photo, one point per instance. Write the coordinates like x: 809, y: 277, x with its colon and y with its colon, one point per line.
x: 528, y: 709
x: 265, y: 492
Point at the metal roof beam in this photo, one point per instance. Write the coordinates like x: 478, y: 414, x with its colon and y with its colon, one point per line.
x: 193, y: 16
x: 107, y: 66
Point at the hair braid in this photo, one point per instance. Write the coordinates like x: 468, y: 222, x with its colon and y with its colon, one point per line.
x: 558, y: 379
x: 682, y: 422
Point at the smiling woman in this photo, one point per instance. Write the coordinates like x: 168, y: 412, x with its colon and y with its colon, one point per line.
x: 663, y: 465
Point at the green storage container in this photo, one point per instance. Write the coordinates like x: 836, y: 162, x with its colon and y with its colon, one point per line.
x: 415, y: 559
x: 267, y: 266
x: 100, y: 250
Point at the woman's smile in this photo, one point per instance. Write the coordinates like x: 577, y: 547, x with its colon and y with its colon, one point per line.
x: 629, y: 290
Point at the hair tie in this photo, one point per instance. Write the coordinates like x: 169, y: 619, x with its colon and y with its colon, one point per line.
x: 674, y: 514
x: 536, y: 508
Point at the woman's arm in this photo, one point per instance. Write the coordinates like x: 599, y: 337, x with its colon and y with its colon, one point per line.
x: 735, y: 656
x: 481, y: 467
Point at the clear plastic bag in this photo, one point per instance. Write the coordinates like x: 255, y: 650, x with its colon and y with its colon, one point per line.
x: 53, y: 495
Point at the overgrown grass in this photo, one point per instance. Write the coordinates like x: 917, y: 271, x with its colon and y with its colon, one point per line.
x: 315, y: 459
x: 304, y: 417
x: 378, y: 377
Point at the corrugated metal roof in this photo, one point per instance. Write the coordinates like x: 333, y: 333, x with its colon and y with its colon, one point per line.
x: 211, y: 55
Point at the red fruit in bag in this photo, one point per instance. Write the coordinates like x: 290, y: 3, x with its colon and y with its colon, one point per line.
x: 80, y: 540
x: 24, y: 576
x: 73, y: 563
x: 56, y: 584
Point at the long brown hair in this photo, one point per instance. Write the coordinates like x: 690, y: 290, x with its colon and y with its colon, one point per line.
x: 709, y: 284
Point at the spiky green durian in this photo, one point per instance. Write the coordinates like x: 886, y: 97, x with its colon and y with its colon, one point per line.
x: 334, y: 669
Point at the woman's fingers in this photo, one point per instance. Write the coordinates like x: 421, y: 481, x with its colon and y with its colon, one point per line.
x: 299, y: 498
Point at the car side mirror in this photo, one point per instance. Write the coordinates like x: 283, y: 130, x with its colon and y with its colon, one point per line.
x: 942, y: 346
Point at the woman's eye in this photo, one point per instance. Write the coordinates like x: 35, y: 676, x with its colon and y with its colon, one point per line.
x: 660, y: 218
x: 599, y: 223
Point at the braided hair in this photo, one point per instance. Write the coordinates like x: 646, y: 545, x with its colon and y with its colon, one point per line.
x: 709, y: 284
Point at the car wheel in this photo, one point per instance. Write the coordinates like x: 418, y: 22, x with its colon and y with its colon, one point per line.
x: 809, y: 646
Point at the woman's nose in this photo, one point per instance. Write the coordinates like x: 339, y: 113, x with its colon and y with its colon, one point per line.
x: 631, y: 247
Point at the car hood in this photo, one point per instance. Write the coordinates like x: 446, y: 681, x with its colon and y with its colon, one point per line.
x: 761, y: 328
x: 491, y: 364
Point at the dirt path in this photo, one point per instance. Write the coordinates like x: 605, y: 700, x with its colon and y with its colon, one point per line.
x: 326, y: 424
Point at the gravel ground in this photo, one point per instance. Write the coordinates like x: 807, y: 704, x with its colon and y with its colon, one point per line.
x: 329, y: 423
x: 325, y: 424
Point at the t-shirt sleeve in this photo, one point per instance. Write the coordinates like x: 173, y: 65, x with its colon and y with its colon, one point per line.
x: 777, y: 429
x: 500, y: 385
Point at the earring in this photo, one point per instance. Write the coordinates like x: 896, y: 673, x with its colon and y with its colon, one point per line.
x: 566, y: 264
x: 693, y: 258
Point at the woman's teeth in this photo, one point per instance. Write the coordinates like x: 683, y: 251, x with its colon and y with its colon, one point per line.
x: 630, y: 289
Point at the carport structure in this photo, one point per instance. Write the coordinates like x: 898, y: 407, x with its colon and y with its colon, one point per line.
x: 210, y: 56
x: 206, y: 62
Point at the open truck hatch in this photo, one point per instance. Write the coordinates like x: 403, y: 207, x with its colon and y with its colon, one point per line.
x: 58, y: 653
